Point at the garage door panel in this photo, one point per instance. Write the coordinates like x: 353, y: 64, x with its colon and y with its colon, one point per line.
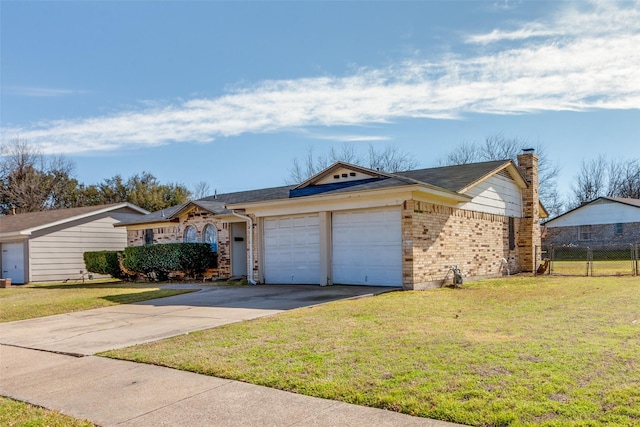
x: 367, y: 247
x: 292, y: 250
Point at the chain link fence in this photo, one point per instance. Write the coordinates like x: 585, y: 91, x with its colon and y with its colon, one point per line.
x: 573, y: 260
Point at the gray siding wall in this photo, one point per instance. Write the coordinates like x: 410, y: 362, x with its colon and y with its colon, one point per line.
x: 57, y: 253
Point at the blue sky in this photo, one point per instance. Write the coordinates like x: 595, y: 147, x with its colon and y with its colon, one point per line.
x: 231, y: 92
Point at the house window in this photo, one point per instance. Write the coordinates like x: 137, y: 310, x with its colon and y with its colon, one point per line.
x: 190, y: 234
x: 210, y: 236
x: 618, y: 229
x: 148, y: 236
x: 584, y: 232
x: 512, y: 233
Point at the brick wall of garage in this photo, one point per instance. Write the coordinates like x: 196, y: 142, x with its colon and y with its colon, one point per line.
x: 437, y: 237
x: 256, y: 248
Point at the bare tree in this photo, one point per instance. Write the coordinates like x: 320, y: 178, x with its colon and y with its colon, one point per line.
x: 388, y: 159
x: 200, y: 190
x: 624, y: 178
x: 466, y: 152
x: 31, y: 181
x: 499, y: 147
x: 590, y: 183
x: 391, y: 159
x: 599, y: 177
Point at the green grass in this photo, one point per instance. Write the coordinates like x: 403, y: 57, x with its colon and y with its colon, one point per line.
x: 596, y: 268
x: 549, y: 351
x: 20, y: 414
x: 30, y: 301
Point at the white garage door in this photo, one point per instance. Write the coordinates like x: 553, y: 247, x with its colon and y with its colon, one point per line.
x: 292, y: 250
x: 367, y: 247
x: 13, y: 262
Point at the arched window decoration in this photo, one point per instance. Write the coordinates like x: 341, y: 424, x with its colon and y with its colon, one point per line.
x: 190, y: 234
x: 210, y: 236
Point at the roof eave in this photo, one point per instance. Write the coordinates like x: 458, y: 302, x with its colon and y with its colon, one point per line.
x: 437, y: 192
x: 12, y: 235
x: 160, y: 223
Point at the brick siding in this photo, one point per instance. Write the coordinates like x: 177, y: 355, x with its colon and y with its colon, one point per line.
x: 530, y: 242
x: 437, y: 237
x: 174, y: 234
x: 601, y: 235
x: 166, y: 234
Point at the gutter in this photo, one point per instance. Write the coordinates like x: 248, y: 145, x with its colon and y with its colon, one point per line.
x: 248, y: 219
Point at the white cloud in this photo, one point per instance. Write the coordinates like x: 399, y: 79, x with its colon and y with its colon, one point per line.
x: 350, y: 137
x: 32, y: 91
x: 581, y: 59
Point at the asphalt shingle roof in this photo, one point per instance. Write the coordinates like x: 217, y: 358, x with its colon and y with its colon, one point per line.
x: 452, y: 178
x: 25, y: 221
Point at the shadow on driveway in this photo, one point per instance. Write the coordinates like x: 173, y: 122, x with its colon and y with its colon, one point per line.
x: 267, y: 297
x: 92, y: 331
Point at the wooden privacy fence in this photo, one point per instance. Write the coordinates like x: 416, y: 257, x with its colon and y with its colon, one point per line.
x: 574, y: 260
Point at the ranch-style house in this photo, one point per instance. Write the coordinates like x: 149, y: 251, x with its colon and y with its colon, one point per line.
x: 357, y: 226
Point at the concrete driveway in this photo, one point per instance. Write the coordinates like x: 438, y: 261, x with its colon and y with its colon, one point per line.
x: 92, y: 331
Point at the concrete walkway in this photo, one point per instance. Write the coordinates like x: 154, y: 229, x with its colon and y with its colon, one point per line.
x: 120, y: 393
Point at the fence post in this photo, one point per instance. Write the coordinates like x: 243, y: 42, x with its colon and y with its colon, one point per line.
x: 551, y: 257
x: 589, y: 261
x: 637, y: 272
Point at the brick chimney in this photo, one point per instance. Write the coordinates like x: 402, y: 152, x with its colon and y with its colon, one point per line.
x: 529, y: 242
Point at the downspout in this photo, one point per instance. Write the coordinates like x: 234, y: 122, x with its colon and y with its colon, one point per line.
x: 248, y: 218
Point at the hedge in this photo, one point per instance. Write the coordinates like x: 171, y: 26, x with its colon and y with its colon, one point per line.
x: 103, y: 262
x: 160, y: 260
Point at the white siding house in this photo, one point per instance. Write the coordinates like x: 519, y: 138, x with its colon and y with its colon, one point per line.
x: 603, y: 221
x: 49, y: 245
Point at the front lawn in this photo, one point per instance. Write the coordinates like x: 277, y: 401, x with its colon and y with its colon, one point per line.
x: 14, y: 414
x: 26, y: 302
x: 551, y: 351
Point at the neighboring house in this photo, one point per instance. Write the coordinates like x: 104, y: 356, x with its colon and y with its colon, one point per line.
x: 352, y: 225
x: 49, y: 245
x: 605, y: 221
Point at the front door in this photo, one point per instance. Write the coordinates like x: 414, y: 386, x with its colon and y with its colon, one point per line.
x: 238, y: 248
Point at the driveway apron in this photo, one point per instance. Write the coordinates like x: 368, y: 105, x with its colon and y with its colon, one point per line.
x: 92, y: 331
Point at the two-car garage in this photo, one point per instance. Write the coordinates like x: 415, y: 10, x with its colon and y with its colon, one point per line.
x: 365, y: 248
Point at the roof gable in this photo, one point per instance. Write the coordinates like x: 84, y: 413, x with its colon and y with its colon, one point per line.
x: 603, y: 210
x: 339, y: 173
x: 27, y: 223
x: 460, y: 178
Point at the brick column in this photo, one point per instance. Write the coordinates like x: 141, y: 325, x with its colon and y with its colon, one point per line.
x: 529, y: 236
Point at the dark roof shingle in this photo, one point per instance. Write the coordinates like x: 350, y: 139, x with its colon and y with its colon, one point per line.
x: 451, y: 178
x: 26, y: 221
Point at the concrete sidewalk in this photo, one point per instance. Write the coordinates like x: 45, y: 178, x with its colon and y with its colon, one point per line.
x: 119, y: 393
